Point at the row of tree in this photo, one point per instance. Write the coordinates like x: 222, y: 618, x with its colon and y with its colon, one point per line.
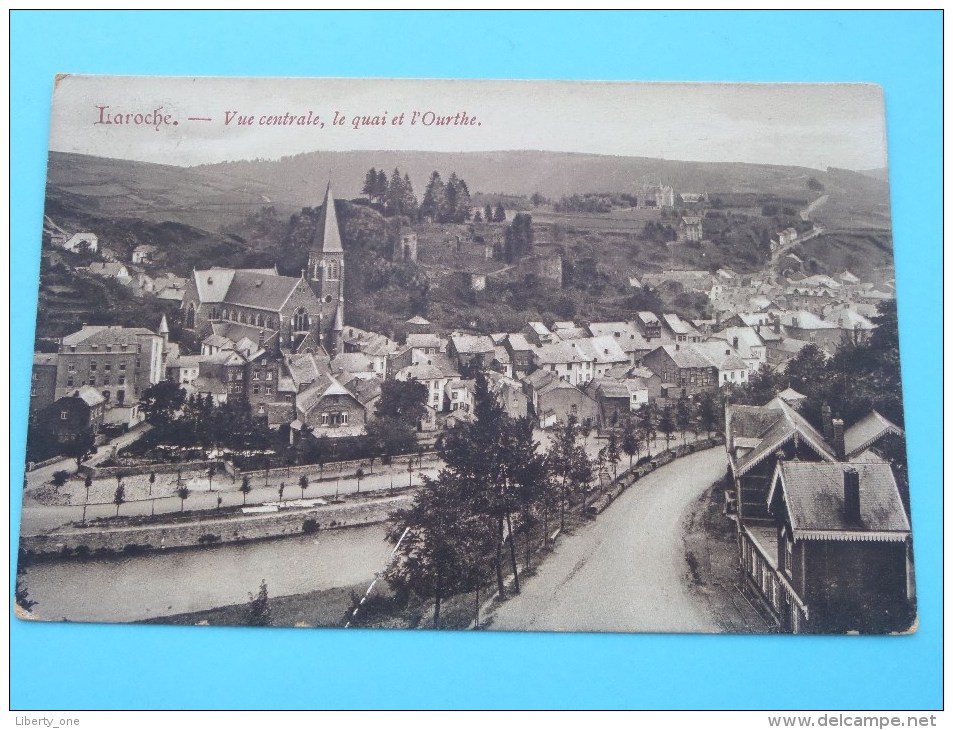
x: 394, y: 197
x: 498, y: 492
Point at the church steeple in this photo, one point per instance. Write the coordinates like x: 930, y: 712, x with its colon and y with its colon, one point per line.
x: 325, y: 273
x: 327, y: 237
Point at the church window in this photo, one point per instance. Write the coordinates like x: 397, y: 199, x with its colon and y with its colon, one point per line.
x: 190, y: 317
x: 328, y: 299
x: 243, y: 318
x: 214, y: 312
x: 260, y: 321
x: 300, y: 320
x: 270, y: 323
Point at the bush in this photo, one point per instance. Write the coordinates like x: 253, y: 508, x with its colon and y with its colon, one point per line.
x: 208, y: 538
x: 310, y: 526
x: 61, y: 477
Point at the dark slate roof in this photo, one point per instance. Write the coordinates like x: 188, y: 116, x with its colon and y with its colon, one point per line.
x: 279, y: 413
x: 745, y: 421
x: 868, y: 430
x: 814, y: 493
x: 261, y: 291
x: 89, y: 395
x: 327, y: 237
x: 234, y: 331
x: 686, y: 356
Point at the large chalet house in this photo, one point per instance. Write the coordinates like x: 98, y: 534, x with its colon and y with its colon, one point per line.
x: 823, y: 530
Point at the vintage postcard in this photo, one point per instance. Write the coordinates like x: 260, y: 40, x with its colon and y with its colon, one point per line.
x: 496, y: 355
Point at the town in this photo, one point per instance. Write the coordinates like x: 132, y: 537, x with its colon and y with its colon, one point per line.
x: 258, y: 383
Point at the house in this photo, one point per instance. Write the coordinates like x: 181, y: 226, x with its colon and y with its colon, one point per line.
x: 109, y: 270
x: 79, y: 411
x: 656, y: 195
x: 43, y: 380
x: 471, y: 352
x: 520, y: 351
x: 184, y: 369
x: 510, y: 394
x: 329, y: 409
x: 567, y: 361
x: 649, y: 325
x: 429, y: 344
x: 679, y: 330
x: 732, y: 369
x: 690, y: 228
x: 682, y: 369
x: 627, y: 335
x: 870, y: 432
x: 434, y: 371
x: 460, y: 395
x: 306, y: 313
x: 120, y: 362
x: 502, y: 362
x: 604, y: 352
x: 81, y: 243
x: 808, y: 327
x: 835, y: 554
x: 373, y: 345
x: 756, y: 437
x: 143, y: 254
x: 747, y: 344
x: 538, y: 334
x: 418, y: 325
x: 617, y: 399
x: 555, y: 400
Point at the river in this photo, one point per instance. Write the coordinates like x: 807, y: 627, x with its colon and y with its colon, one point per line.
x: 160, y: 584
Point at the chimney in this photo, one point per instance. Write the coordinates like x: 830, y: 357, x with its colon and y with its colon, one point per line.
x: 851, y: 495
x: 261, y: 339
x: 837, y: 426
x: 826, y: 425
x: 777, y: 325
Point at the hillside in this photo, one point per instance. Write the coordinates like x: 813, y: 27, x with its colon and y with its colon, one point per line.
x: 214, y: 196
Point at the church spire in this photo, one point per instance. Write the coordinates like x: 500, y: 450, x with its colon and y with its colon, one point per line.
x: 327, y: 237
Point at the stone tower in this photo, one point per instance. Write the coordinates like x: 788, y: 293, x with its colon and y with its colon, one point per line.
x: 325, y: 274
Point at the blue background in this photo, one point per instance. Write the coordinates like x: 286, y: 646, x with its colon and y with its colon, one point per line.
x: 57, y: 666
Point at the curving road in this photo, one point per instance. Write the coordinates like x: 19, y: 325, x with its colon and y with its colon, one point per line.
x: 627, y: 570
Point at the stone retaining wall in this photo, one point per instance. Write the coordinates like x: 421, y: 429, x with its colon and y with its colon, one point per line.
x: 159, y: 467
x: 217, y: 532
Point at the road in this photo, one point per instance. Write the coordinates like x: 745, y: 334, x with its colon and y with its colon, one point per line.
x: 626, y: 571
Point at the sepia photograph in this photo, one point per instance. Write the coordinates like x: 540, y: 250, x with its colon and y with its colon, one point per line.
x: 545, y: 356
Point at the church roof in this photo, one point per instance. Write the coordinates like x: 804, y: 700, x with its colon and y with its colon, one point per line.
x: 261, y: 291
x: 327, y: 237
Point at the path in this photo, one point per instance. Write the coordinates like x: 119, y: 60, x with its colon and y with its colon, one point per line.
x: 626, y: 571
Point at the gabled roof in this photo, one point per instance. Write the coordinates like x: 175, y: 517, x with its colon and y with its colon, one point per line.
x: 351, y: 362
x: 791, y: 396
x: 518, y: 342
x: 721, y: 355
x: 781, y: 426
x: 471, y: 344
x: 424, y: 340
x: 327, y: 237
x: 867, y: 431
x: 235, y: 332
x: 561, y: 352
x: 685, y: 356
x: 212, y: 284
x: 814, y: 495
x: 604, y: 349
x: 89, y: 395
x: 805, y: 321
x: 306, y: 368
x: 417, y: 319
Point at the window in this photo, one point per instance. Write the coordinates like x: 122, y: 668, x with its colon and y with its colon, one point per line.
x: 33, y: 391
x: 268, y: 375
x: 109, y: 348
x: 92, y: 366
x: 106, y: 393
x: 122, y: 367
x: 63, y: 415
x: 300, y: 320
x: 325, y: 418
x: 256, y: 389
x: 261, y: 408
x: 256, y: 375
x: 69, y: 381
x: 788, y: 555
x: 121, y: 395
x: 268, y: 390
x: 333, y: 270
x: 574, y: 409
x: 107, y: 367
x: 106, y: 380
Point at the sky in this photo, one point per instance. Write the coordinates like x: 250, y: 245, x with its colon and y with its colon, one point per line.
x: 812, y: 125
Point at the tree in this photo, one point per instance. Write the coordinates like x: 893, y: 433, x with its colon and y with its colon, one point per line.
x: 488, y: 213
x: 683, y: 415
x: 499, y: 214
x: 708, y: 412
x: 281, y: 491
x: 612, y: 453
x: 60, y: 477
x: 435, y: 198
x: 152, y: 481
x: 360, y: 475
x: 630, y: 438
x: 183, y: 494
x: 370, y: 184
x: 245, y: 488
x: 87, y: 482
x: 401, y: 406
x: 80, y: 446
x: 409, y: 205
x: 477, y: 216
x: 570, y: 463
x: 519, y: 237
x: 119, y: 497
x: 258, y: 612
x: 380, y: 189
x: 666, y: 424
x: 303, y: 483
x: 162, y: 402
x: 211, y: 473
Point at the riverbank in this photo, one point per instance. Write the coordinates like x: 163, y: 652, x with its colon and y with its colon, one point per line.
x: 125, y: 536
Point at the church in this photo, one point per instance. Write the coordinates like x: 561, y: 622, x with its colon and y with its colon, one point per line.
x: 283, y: 314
